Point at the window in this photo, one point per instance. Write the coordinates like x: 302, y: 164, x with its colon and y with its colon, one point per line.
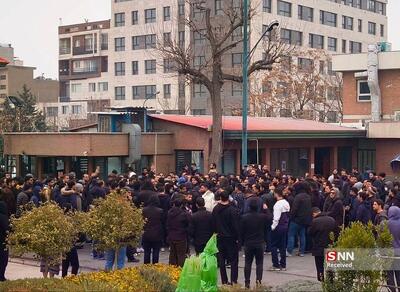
x: 3, y: 86
x: 150, y: 15
x: 76, y: 109
x: 321, y: 67
x: 167, y: 64
x: 119, y: 44
x: 135, y: 67
x: 331, y: 117
x: 167, y: 39
x: 372, y: 28
x: 292, y: 37
x: 119, y: 68
x: 84, y: 66
x: 237, y: 89
x: 285, y: 113
x: 119, y: 19
x: 359, y: 25
x: 182, y: 90
x: 218, y: 7
x: 332, y: 44
x: 92, y: 87
x: 150, y: 91
x: 64, y: 109
x: 104, y: 41
x: 304, y: 63
x: 316, y: 41
x: 76, y: 88
x: 382, y: 30
x: 150, y: 66
x: 135, y: 17
x: 347, y: 22
x: 354, y: 47
x: 267, y: 6
x: 237, y: 59
x: 199, y: 61
x: 167, y: 13
x: 237, y: 34
x: 198, y: 112
x: 3, y: 77
x: 363, y: 92
x: 380, y: 8
x: 199, y: 91
x: 52, y: 111
x: 306, y: 13
x: 284, y: 8
x: 344, y: 46
x: 197, y: 10
x: 135, y: 42
x: 120, y: 93
x: 181, y: 39
x: 331, y: 93
x: 150, y: 41
x: 199, y: 37
x: 181, y: 9
x: 102, y: 86
x: 167, y: 90
x: 328, y: 18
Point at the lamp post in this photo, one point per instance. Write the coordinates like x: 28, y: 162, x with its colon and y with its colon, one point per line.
x: 246, y: 58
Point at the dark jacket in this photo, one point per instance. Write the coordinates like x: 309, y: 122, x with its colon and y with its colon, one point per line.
x: 320, y: 229
x: 226, y: 221
x: 300, y: 211
x: 269, y: 199
x: 22, y: 200
x: 253, y: 227
x: 143, y: 196
x: 381, y: 217
x: 8, y: 197
x: 154, y: 215
x: 335, y: 210
x: 246, y: 208
x: 177, y: 224
x: 201, y: 226
x: 4, y: 224
x: 363, y: 213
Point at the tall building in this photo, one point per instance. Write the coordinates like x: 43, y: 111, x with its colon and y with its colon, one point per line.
x: 139, y: 76
x: 83, y: 73
x: 14, y: 75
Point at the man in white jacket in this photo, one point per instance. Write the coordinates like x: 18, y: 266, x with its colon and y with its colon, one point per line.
x: 279, y: 229
x: 208, y: 197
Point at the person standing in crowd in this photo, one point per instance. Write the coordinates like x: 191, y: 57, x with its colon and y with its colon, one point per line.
x: 208, y: 197
x: 252, y: 233
x: 393, y: 276
x: 226, y: 225
x: 177, y: 229
x: 300, y: 217
x: 320, y: 229
x: 4, y: 227
x: 153, y: 231
x: 201, y: 226
x: 381, y: 214
x: 279, y: 229
x: 335, y: 210
x: 363, y: 210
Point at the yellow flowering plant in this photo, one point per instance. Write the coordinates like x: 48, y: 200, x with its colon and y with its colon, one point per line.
x: 47, y: 231
x: 113, y: 222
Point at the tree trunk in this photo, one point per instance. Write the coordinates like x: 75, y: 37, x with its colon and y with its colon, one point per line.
x: 216, y: 135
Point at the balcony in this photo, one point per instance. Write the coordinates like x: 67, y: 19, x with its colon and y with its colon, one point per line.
x: 65, y: 50
x: 84, y: 51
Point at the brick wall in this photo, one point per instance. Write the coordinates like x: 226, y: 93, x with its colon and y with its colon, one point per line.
x: 386, y: 150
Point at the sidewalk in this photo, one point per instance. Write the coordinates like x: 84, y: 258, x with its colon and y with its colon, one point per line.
x: 298, y: 268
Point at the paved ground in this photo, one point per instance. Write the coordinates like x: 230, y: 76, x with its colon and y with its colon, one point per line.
x: 297, y: 268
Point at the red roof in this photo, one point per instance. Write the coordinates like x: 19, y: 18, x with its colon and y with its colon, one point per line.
x: 3, y: 61
x: 264, y: 124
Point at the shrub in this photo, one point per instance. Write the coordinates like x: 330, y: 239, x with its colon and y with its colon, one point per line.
x: 45, y: 231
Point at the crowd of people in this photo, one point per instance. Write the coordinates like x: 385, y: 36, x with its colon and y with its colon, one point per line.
x: 259, y: 210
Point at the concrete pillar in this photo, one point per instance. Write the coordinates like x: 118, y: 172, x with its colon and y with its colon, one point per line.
x: 67, y: 164
x: 91, y: 167
x: 334, y: 158
x: 267, y: 157
x: 237, y: 161
x: 39, y: 167
x: 312, y: 161
x: 354, y: 157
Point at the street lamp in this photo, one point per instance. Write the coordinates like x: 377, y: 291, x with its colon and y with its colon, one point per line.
x: 246, y: 57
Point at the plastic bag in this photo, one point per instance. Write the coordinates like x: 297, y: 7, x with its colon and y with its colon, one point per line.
x: 190, y: 278
x: 200, y: 273
x: 209, y: 266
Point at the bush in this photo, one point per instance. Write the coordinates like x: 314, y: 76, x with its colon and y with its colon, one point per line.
x: 359, y: 236
x: 47, y: 285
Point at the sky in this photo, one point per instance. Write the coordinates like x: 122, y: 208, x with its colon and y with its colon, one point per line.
x: 31, y: 27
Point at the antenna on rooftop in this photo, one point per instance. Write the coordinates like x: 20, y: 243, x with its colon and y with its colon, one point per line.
x: 86, y: 20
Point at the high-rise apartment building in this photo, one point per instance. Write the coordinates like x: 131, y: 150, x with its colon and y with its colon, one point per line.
x: 138, y: 75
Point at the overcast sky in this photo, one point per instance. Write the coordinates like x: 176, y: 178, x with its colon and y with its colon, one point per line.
x: 31, y: 27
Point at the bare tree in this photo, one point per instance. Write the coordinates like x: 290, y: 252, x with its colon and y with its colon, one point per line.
x: 303, y: 89
x: 219, y: 34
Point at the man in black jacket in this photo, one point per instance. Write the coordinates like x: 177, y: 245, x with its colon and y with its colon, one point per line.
x: 252, y: 230
x: 226, y: 225
x: 321, y: 227
x: 177, y: 229
x: 201, y: 226
x: 4, y: 228
x: 300, y: 217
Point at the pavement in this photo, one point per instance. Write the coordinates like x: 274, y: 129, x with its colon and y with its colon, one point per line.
x: 298, y: 268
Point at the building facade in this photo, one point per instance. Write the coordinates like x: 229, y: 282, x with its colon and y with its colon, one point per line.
x: 139, y: 75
